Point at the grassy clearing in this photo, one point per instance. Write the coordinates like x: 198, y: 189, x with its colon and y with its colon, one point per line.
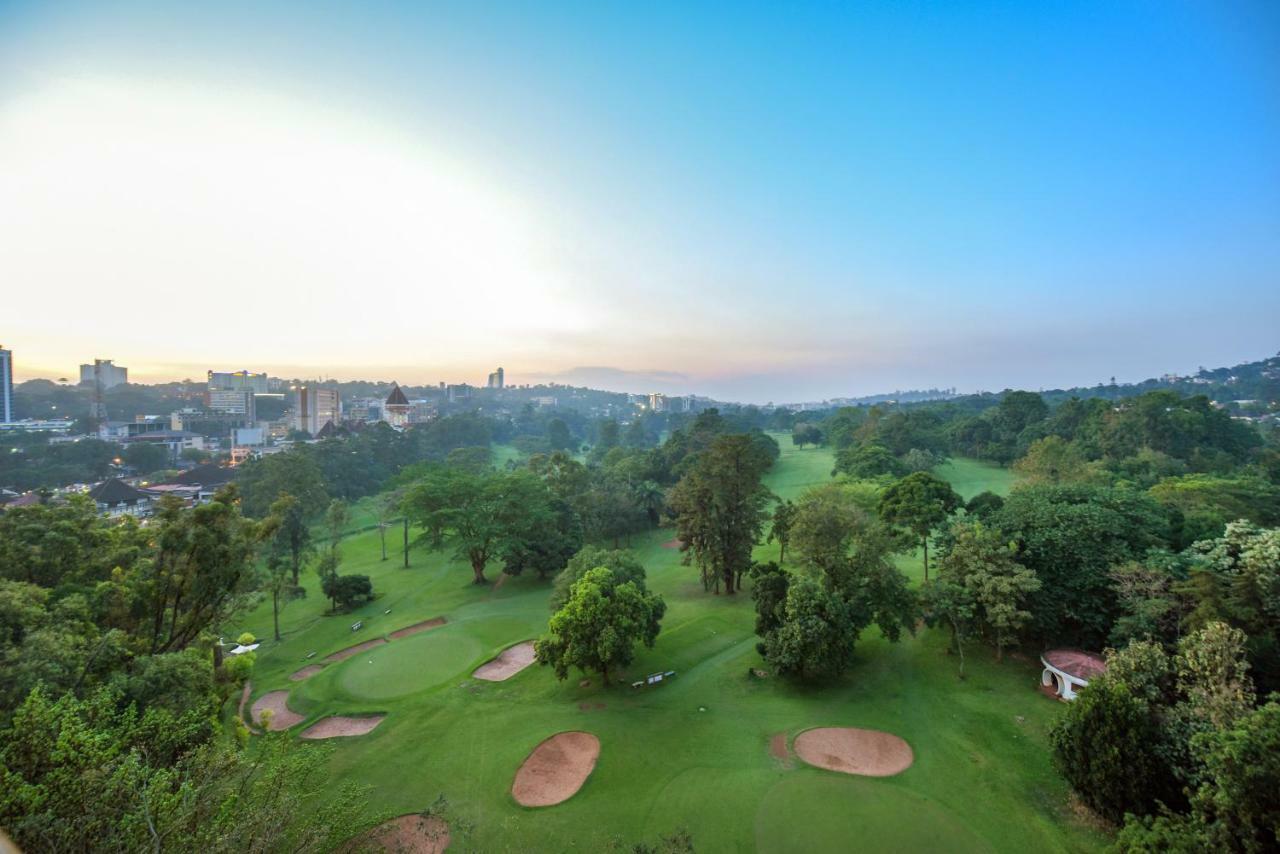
x: 691, y: 753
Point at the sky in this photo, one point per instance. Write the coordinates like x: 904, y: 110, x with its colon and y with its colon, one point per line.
x: 757, y: 202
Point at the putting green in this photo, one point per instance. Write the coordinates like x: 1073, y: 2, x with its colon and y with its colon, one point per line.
x: 410, y: 665
x: 809, y: 811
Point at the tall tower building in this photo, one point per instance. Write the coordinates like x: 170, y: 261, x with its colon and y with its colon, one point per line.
x: 496, y: 379
x: 316, y: 407
x: 6, y: 385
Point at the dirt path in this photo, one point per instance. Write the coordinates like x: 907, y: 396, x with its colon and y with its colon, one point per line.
x: 342, y: 727
x: 412, y: 834
x: 556, y: 769
x: 778, y: 749
x: 276, y: 703
x: 867, y: 752
x: 508, y: 663
x: 425, y: 625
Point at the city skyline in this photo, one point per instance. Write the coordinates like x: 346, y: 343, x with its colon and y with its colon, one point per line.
x: 824, y: 203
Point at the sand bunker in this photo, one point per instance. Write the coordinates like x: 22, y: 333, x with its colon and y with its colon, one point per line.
x: 854, y: 751
x: 342, y: 727
x: 305, y: 673
x: 556, y: 769
x: 508, y: 663
x: 344, y: 654
x: 425, y: 625
x: 412, y: 834
x: 281, y: 717
x: 673, y: 544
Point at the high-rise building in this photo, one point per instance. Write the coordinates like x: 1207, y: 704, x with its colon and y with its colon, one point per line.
x: 455, y: 393
x: 496, y: 379
x: 104, y: 371
x: 237, y: 381
x: 6, y: 385
x: 232, y: 402
x: 315, y: 407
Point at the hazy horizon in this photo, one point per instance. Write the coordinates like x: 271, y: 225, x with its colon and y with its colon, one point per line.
x: 750, y: 204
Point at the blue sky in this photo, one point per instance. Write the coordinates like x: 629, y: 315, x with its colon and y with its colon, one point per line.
x: 748, y: 201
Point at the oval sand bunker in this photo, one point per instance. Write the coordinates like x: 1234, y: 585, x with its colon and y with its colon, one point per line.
x: 848, y: 750
x: 342, y: 727
x: 275, y: 702
x: 556, y: 769
x: 508, y: 663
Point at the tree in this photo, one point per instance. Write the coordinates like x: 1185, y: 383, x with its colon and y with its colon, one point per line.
x: 263, y: 480
x: 558, y: 435
x: 947, y: 601
x: 825, y: 521
x: 623, y: 564
x: 984, y: 562
x: 202, y: 570
x: 292, y: 537
x: 983, y: 504
x: 919, y: 502
x: 816, y: 634
x: 1105, y: 746
x: 1072, y: 536
x: 336, y: 519
x: 96, y: 774
x: 1213, y: 675
x: 1052, y: 460
x: 868, y: 460
x: 347, y: 591
x: 769, y: 585
x: 479, y: 513
x: 806, y: 433
x: 145, y: 458
x: 720, y: 509
x: 1239, y: 802
x: 599, y: 625
x: 784, y: 516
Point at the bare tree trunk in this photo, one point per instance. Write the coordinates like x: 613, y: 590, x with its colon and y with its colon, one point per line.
x: 275, y: 609
x: 406, y: 542
x: 925, y: 541
x: 382, y: 535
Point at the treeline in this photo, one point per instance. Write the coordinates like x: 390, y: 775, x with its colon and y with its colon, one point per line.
x: 112, y: 683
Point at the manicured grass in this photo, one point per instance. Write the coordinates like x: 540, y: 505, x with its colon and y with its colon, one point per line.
x: 690, y: 753
x: 970, y: 477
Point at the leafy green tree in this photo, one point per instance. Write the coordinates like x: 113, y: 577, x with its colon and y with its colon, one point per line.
x: 291, y: 540
x: 825, y: 521
x: 263, y: 480
x: 720, y: 509
x: 599, y: 625
x: 1071, y: 537
x: 769, y: 585
x: 1206, y: 503
x: 983, y: 505
x: 984, y: 562
x: 919, y: 502
x: 948, y: 602
x: 816, y: 634
x: 1239, y: 802
x: 1106, y: 747
x: 1213, y: 675
x: 336, y: 519
x: 145, y: 458
x: 784, y: 517
x: 623, y: 564
x: 558, y: 435
x: 868, y: 460
x: 202, y: 571
x: 1052, y: 460
x: 806, y: 433
x: 475, y: 459
x: 547, y: 535
x: 88, y: 775
x: 347, y: 591
x: 479, y: 514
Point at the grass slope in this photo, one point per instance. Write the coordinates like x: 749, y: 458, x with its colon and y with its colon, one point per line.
x: 691, y: 753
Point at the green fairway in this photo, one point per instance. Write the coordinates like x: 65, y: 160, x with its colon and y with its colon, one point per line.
x: 693, y: 752
x: 970, y: 477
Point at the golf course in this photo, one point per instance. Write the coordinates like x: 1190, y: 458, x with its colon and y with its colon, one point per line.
x: 711, y: 750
